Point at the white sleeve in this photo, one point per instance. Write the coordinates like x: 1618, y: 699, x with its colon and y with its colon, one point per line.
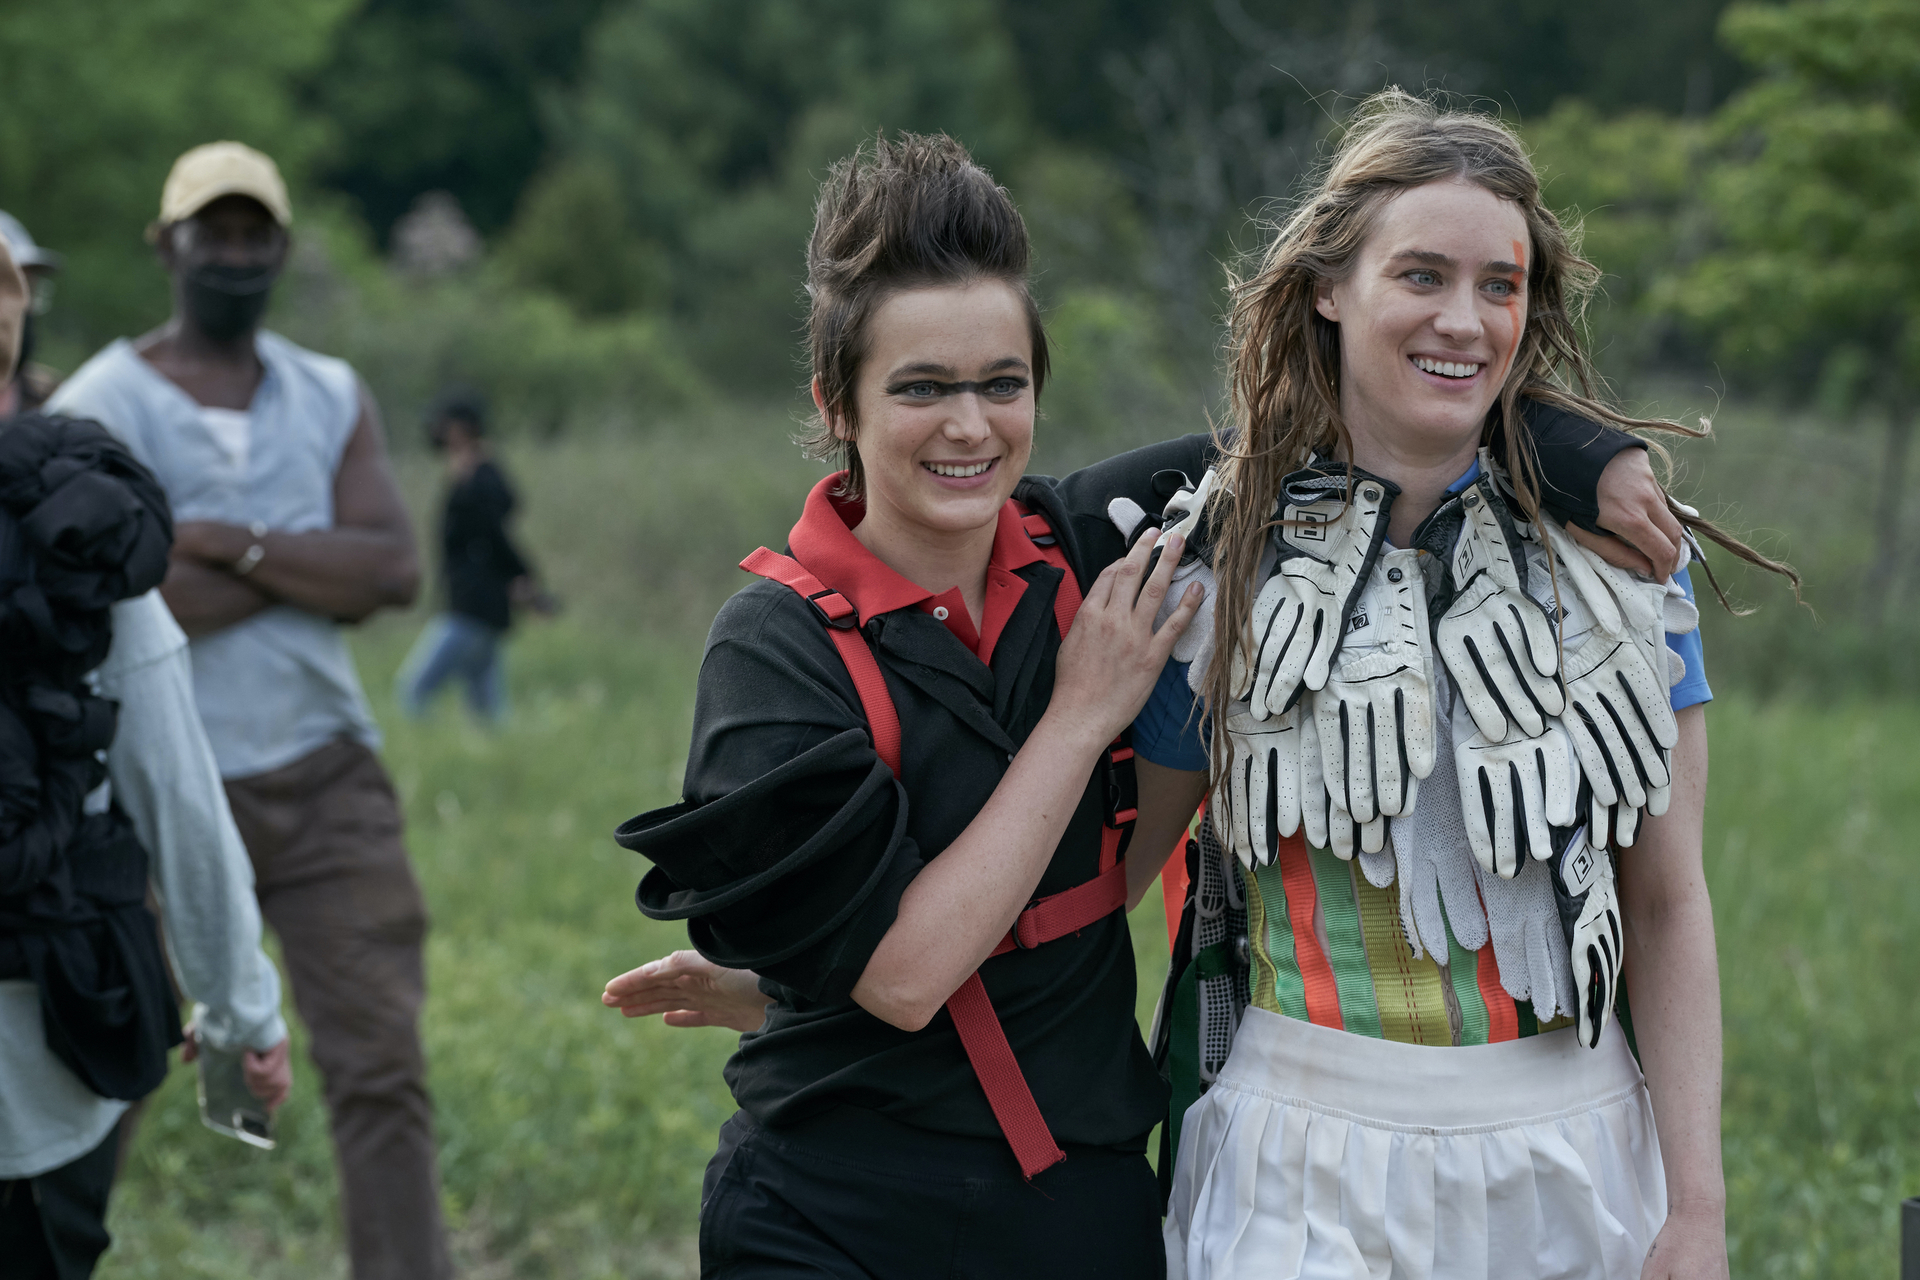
x: 164, y: 778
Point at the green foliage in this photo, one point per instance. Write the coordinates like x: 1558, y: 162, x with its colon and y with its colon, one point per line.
x: 101, y: 97
x: 1629, y: 183
x: 545, y: 367
x: 443, y: 94
x: 716, y: 121
x: 1816, y: 201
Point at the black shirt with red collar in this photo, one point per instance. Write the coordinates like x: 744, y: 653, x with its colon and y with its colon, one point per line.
x: 794, y: 843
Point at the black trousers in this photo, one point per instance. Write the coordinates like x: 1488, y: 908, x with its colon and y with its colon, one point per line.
x: 54, y: 1226
x: 854, y: 1195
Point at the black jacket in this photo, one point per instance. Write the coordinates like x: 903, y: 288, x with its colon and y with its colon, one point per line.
x: 479, y: 558
x: 82, y: 525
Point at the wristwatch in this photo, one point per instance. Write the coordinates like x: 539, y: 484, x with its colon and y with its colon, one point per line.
x: 255, y: 553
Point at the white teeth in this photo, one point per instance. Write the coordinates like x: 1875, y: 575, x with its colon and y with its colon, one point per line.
x: 958, y: 470
x: 1446, y: 368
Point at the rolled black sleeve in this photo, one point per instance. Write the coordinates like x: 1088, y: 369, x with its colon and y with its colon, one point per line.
x: 1573, y: 451
x: 789, y: 853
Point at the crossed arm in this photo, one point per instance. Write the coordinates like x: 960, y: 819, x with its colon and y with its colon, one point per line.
x: 366, y: 561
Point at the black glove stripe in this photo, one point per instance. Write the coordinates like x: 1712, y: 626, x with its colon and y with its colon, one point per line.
x: 1299, y: 615
x: 1486, y: 802
x: 1600, y: 744
x: 1346, y: 758
x: 1626, y: 741
x: 1273, y: 805
x: 1319, y: 624
x: 1640, y: 712
x: 1486, y: 680
x: 1513, y: 660
x: 1522, y: 846
x: 1406, y: 770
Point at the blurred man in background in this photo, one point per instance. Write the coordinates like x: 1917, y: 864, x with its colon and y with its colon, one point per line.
x: 290, y: 524
x: 485, y: 574
x: 31, y: 384
x: 86, y: 1010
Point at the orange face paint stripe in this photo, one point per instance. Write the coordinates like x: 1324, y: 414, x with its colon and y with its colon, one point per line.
x: 1296, y: 875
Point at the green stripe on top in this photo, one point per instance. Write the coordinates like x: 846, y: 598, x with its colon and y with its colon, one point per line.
x: 1287, y: 990
x: 1523, y: 1011
x: 1346, y: 950
x: 1463, y: 970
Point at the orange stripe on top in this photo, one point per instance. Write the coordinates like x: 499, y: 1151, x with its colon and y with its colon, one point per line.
x: 1296, y: 876
x: 1503, y: 1020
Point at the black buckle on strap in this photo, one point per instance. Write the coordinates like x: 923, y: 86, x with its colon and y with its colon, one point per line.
x: 846, y: 620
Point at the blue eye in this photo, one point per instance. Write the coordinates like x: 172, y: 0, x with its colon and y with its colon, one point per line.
x: 1424, y: 278
x: 1006, y: 388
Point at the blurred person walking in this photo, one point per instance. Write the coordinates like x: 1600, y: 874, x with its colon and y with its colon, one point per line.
x: 290, y: 524
x: 485, y: 573
x: 30, y: 384
x: 106, y: 783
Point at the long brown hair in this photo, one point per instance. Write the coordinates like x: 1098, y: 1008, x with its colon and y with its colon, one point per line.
x: 1284, y: 357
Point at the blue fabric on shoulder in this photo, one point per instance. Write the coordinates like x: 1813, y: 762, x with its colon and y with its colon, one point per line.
x: 1167, y: 731
x: 1692, y: 689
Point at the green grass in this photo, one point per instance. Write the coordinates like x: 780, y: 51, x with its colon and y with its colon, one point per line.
x: 573, y: 1141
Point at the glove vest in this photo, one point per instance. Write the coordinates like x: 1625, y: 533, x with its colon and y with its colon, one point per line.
x: 82, y: 526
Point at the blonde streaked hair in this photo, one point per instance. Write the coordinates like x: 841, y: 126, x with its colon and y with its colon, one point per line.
x: 1284, y: 356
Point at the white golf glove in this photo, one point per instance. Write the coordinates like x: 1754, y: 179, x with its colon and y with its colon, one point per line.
x: 1326, y: 547
x: 1375, y: 714
x: 1589, y: 904
x: 1512, y: 791
x: 1328, y: 826
x: 1494, y: 637
x: 1181, y: 515
x: 1258, y: 802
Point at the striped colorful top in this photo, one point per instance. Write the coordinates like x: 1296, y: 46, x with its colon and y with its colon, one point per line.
x: 1328, y: 947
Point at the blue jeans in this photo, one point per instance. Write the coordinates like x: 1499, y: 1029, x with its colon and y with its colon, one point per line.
x: 454, y: 645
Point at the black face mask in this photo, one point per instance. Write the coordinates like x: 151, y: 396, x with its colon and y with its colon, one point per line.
x: 226, y: 302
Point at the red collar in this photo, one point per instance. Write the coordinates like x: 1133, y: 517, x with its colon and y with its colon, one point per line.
x: 823, y: 541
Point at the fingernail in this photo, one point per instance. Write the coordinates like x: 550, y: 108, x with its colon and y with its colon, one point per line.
x: 1175, y: 542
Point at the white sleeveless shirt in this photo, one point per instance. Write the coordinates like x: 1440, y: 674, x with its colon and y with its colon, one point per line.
x: 281, y: 684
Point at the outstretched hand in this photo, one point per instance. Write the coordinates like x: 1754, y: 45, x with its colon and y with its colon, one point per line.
x: 1648, y: 538
x: 689, y: 991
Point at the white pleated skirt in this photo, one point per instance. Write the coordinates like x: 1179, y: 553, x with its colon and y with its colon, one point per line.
x: 1326, y: 1155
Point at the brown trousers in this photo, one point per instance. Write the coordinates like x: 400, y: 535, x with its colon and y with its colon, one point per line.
x: 324, y: 834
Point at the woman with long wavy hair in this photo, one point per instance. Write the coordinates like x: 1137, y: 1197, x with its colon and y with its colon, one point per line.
x: 1439, y: 725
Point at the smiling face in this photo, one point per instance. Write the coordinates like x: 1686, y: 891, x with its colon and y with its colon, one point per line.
x: 1430, y: 318
x: 945, y: 403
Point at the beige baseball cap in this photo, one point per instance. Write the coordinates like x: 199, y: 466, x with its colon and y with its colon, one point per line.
x: 14, y: 297
x: 218, y: 169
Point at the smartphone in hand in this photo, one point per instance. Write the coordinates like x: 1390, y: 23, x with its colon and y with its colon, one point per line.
x: 226, y: 1104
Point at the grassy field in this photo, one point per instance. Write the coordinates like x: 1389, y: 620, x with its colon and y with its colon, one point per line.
x: 573, y: 1141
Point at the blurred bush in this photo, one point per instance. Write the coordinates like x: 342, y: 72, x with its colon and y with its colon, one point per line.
x: 546, y: 367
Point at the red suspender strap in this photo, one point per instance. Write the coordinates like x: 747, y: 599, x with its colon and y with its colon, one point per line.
x: 843, y: 626
x: 1066, y: 601
x: 999, y: 1072
x: 1054, y: 916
